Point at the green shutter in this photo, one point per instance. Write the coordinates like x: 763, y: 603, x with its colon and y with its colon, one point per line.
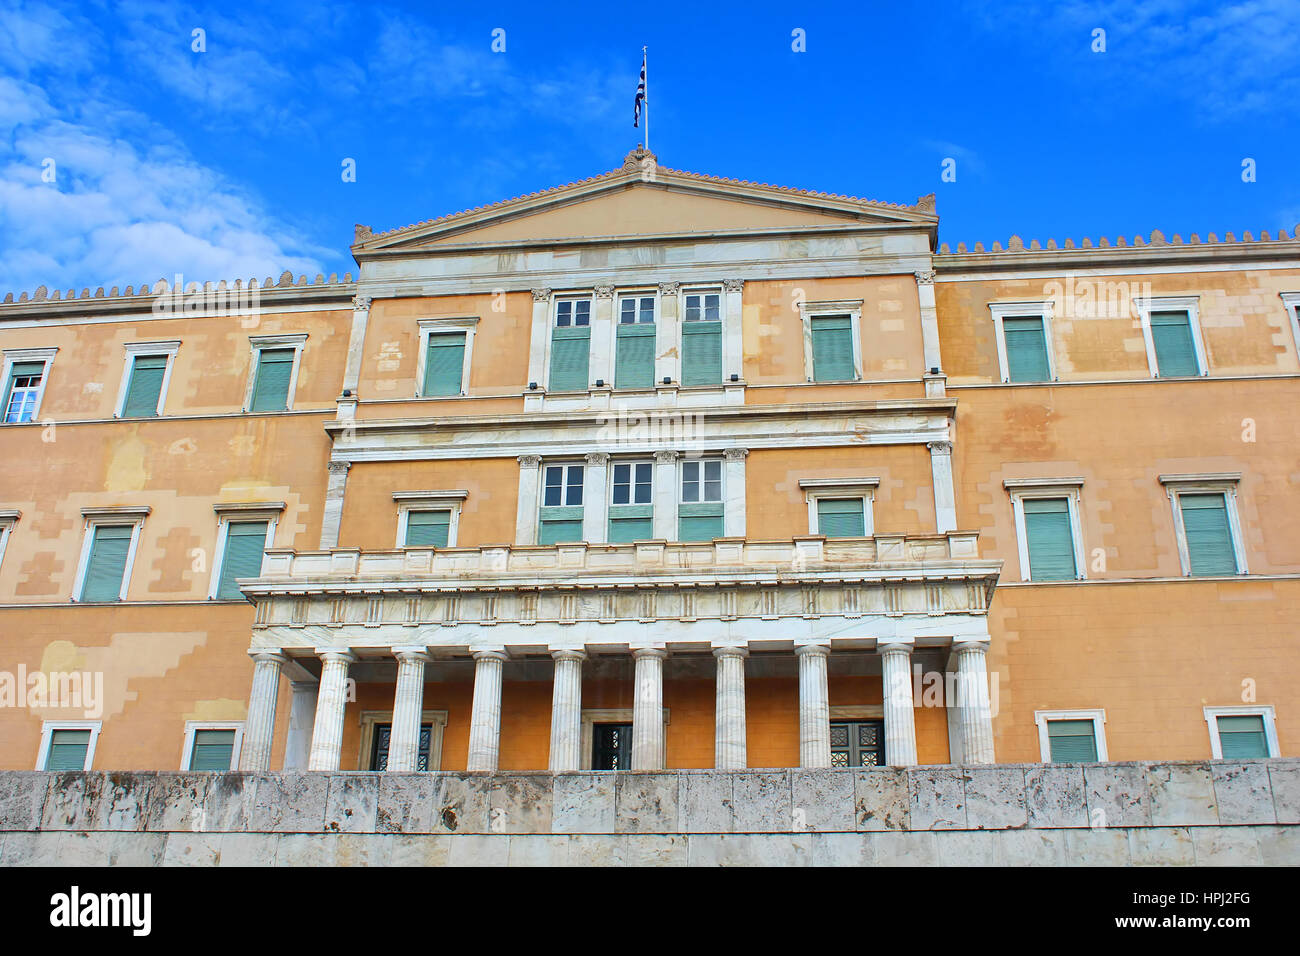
x: 428, y: 529
x: 444, y: 364
x: 832, y: 341
x: 107, y: 563
x: 701, y: 353
x: 570, y: 358
x: 699, y: 521
x: 635, y: 363
x: 271, y: 386
x: 841, y: 517
x: 1050, y: 539
x: 628, y: 523
x: 1072, y: 741
x: 1242, y: 737
x: 1171, y: 334
x: 68, y: 750
x: 245, y: 543
x: 1209, y: 539
x: 212, y: 749
x: 145, y: 387
x: 560, y: 523
x: 1026, y: 347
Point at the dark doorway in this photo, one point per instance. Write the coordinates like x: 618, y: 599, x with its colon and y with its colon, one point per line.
x: 857, y: 743
x: 379, y: 752
x: 611, y: 747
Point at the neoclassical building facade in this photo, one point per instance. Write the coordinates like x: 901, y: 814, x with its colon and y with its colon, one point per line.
x: 659, y: 470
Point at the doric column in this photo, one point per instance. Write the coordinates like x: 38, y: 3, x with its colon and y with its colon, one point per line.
x: 668, y: 363
x: 929, y: 320
x: 973, y: 701
x: 541, y: 334
x: 733, y: 351
x: 945, y: 497
x: 729, y: 749
x: 408, y: 704
x: 900, y: 718
x: 530, y: 476
x: 733, y: 517
x: 665, y: 495
x: 333, y: 512
x: 485, y: 719
x: 602, y: 336
x: 302, y: 715
x: 595, y: 499
x: 648, y: 709
x: 814, y: 706
x: 566, y: 711
x: 259, y: 728
x: 331, y: 699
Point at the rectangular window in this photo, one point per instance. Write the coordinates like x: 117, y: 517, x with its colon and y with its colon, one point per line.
x: 144, y: 388
x: 68, y: 749
x: 1242, y: 737
x: 1026, y: 348
x: 858, y: 743
x: 242, y: 557
x: 444, y: 364
x: 634, y: 365
x: 700, y: 512
x: 571, y: 346
x: 428, y: 529
x: 271, y: 380
x: 1208, y: 533
x: 631, y: 502
x: 702, y: 339
x: 110, y: 548
x: 212, y: 749
x: 841, y: 517
x: 1072, y: 741
x: 1049, y: 538
x: 1171, y: 337
x: 832, y: 348
x: 561, y: 512
x: 23, y: 391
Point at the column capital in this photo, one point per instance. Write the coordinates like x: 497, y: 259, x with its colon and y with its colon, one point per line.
x: 981, y: 647
x: 604, y: 291
x: 669, y: 288
x: 733, y: 285
x: 338, y: 467
x: 530, y: 461
x: 667, y: 457
x: 735, y: 454
x: 939, y: 447
x: 925, y: 277
x: 361, y: 303
x: 721, y: 652
x: 489, y: 654
x: 894, y: 645
x: 569, y: 654
x: 268, y: 656
x: 541, y: 295
x: 341, y: 655
x: 813, y: 650
x: 412, y: 653
x: 597, y: 458
x: 649, y: 652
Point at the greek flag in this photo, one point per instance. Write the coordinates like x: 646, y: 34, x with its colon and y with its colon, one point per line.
x: 640, y: 102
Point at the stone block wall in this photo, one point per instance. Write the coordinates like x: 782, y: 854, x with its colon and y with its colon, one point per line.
x: 1194, y: 813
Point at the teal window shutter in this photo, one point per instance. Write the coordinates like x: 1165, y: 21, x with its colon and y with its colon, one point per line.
x: 106, y: 565
x: 428, y: 529
x: 444, y: 364
x: 1242, y: 737
x: 628, y: 523
x: 68, y: 749
x: 245, y: 544
x: 701, y: 353
x: 1209, y: 537
x: 570, y: 358
x: 634, y: 366
x: 1171, y: 334
x: 560, y: 524
x: 699, y: 522
x: 271, y: 386
x: 1072, y: 741
x: 21, y: 391
x: 145, y: 387
x: 841, y: 517
x: 1050, y: 539
x: 1026, y: 347
x: 832, y: 347
x: 212, y: 750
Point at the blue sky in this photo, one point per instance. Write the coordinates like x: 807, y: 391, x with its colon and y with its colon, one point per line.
x: 227, y: 163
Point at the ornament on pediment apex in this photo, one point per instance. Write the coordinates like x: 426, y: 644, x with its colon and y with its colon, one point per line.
x: 735, y: 454
x: 338, y: 467
x: 541, y: 295
x: 939, y: 447
x: 667, y: 456
x: 733, y: 285
x: 669, y: 288
x: 925, y: 203
x: 597, y: 458
x: 530, y: 461
x: 925, y: 277
x: 361, y: 303
x: 639, y: 159
x: 604, y: 291
x: 361, y: 233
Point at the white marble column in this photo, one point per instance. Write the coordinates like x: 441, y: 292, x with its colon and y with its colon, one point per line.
x: 302, y: 715
x: 733, y: 483
x: 331, y: 700
x: 566, y: 711
x: 945, y: 497
x: 814, y: 706
x: 595, y: 499
x: 729, y: 748
x: 527, y: 501
x: 259, y: 728
x: 929, y: 319
x: 485, y: 719
x: 733, y: 357
x: 648, y: 709
x: 602, y: 337
x: 665, y: 495
x: 668, y: 363
x: 333, y: 509
x: 540, y: 337
x: 973, y: 701
x: 408, y: 704
x: 900, y: 717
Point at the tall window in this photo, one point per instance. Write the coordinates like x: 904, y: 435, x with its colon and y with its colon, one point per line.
x: 634, y: 365
x: 631, y: 502
x: 702, y: 338
x: 241, y: 556
x: 571, y: 345
x: 700, y: 511
x: 271, y: 380
x: 1175, y: 348
x: 611, y: 747
x: 444, y: 364
x: 561, y: 512
x: 832, y: 348
x: 1208, y: 534
x: 145, y: 376
x: 1025, y: 341
x: 23, y: 391
x: 104, y: 578
x: 1049, y: 538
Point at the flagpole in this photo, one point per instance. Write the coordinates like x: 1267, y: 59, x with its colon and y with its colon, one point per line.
x: 646, y: 106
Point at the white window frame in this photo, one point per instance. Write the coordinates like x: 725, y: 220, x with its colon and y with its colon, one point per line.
x: 609, y: 482
x: 467, y: 324
x: 371, y: 718
x: 408, y: 501
x: 91, y: 519
x: 556, y: 299
x: 821, y: 310
x: 705, y: 289
x: 47, y: 735
x: 1071, y: 489
x: 1292, y: 302
x: 13, y: 357
x: 1172, y: 303
x: 187, y: 748
x: 1097, y: 716
x: 1212, y: 715
x: 258, y: 344
x: 136, y: 350
x: 226, y: 513
x: 864, y: 488
x: 566, y: 464
x: 1034, y: 309
x: 633, y: 293
x: 7, y: 521
x: 1224, y: 483
x: 722, y: 481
